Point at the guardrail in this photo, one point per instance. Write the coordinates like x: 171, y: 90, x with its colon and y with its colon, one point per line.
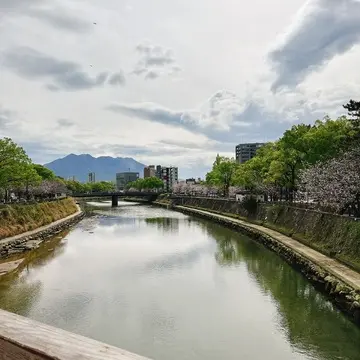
x: 23, y: 338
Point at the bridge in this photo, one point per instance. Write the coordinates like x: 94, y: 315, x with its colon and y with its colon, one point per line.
x: 149, y: 196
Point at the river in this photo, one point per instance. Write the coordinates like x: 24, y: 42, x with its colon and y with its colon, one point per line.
x: 169, y: 286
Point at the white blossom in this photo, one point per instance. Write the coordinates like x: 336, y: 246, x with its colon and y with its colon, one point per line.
x: 335, y: 183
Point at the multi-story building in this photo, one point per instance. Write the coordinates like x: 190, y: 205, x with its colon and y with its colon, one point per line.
x: 123, y: 178
x: 149, y: 171
x: 169, y: 175
x: 158, y: 171
x: 91, y: 178
x: 245, y: 152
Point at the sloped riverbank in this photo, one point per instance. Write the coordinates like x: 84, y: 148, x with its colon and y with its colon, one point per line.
x: 17, y: 219
x: 44, y: 220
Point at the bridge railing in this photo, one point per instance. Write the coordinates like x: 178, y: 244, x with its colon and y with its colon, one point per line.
x: 116, y: 193
x: 22, y: 338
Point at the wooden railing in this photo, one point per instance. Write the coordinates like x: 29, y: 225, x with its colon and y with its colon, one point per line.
x: 25, y: 339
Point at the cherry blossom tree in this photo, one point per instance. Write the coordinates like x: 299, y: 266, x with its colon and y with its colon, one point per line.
x: 202, y: 190
x: 48, y: 188
x: 335, y: 183
x: 233, y: 190
x: 178, y: 188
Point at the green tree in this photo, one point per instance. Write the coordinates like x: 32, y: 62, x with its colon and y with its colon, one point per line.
x: 222, y: 173
x: 276, y: 167
x: 150, y: 183
x: 45, y: 173
x: 15, y: 166
x: 77, y: 187
x: 255, y: 174
x: 102, y: 186
x: 30, y: 178
x: 353, y: 108
x: 304, y: 145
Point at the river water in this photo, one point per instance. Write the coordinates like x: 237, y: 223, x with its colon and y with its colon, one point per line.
x: 169, y: 286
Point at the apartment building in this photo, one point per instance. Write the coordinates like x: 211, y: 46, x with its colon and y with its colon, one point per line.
x: 169, y: 175
x: 245, y: 152
x: 149, y: 171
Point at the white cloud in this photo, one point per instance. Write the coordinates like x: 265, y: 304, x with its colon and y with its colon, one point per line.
x: 321, y: 30
x: 220, y: 112
x: 85, y: 50
x: 54, y: 15
x: 155, y: 61
x: 63, y: 75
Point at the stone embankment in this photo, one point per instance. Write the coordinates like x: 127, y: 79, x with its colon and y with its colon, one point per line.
x: 335, y: 236
x: 32, y: 239
x: 340, y: 283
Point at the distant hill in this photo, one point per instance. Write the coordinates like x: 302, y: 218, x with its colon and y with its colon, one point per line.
x: 104, y: 167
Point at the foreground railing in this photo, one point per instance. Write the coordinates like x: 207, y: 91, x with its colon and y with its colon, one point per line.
x: 25, y: 339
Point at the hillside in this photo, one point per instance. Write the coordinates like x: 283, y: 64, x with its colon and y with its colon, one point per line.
x: 105, y: 167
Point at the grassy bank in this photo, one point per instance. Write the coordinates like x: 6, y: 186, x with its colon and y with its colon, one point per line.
x: 16, y: 219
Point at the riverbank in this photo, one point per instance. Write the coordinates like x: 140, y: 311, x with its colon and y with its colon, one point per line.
x: 333, y: 235
x: 17, y: 219
x: 29, y: 240
x: 340, y: 283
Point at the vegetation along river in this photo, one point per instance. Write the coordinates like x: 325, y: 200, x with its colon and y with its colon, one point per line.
x: 169, y: 286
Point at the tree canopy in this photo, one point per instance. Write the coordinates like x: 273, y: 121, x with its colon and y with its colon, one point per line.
x: 19, y: 175
x: 16, y: 168
x: 353, y: 108
x: 100, y: 186
x: 45, y: 173
x: 222, y: 173
x: 278, y: 166
x: 149, y: 183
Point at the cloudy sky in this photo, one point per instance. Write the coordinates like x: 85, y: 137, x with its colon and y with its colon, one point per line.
x: 171, y: 82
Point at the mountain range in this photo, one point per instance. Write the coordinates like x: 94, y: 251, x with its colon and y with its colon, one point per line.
x: 104, y: 167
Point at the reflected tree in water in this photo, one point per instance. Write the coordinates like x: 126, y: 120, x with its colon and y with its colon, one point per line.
x: 305, y: 314
x: 164, y: 223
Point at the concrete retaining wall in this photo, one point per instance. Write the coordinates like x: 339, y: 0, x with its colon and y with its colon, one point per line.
x: 336, y: 236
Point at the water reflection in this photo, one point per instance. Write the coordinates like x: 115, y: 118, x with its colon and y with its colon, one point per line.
x: 22, y: 291
x: 168, y: 286
x: 307, y: 318
x: 164, y: 224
